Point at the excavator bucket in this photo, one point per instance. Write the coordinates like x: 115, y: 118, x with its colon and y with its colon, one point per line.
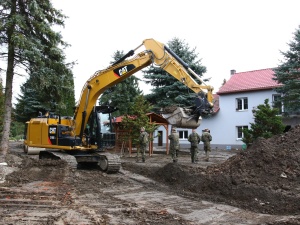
x: 183, y: 118
x: 188, y: 117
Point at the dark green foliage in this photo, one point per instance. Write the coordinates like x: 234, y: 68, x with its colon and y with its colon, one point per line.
x: 267, y: 123
x: 168, y: 90
x: 26, y: 27
x: 50, y: 86
x: 288, y: 74
x: 16, y: 129
x: 29, y: 45
x: 138, y: 119
x: 123, y: 94
x: 56, y: 97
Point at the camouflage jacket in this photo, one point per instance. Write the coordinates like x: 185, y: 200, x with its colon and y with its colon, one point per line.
x: 143, y: 139
x: 174, y: 141
x: 206, y: 137
x: 194, y: 138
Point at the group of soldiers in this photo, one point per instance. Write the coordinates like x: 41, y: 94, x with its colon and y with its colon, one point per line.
x: 194, y: 138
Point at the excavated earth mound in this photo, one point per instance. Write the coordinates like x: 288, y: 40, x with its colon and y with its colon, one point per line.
x: 264, y: 178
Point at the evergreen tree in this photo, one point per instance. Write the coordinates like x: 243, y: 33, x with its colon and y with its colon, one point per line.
x: 138, y: 119
x: 266, y: 123
x: 288, y: 74
x: 51, y: 92
x: 26, y: 34
x: 168, y: 90
x: 121, y: 95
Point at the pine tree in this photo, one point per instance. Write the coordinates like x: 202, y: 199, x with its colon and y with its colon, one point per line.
x: 266, y: 123
x: 51, y: 92
x: 168, y: 90
x: 121, y: 95
x: 27, y: 40
x: 288, y: 74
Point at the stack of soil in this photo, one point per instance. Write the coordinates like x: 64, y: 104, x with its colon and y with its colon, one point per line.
x: 264, y: 178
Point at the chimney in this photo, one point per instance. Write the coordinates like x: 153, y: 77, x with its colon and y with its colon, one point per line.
x: 232, y: 72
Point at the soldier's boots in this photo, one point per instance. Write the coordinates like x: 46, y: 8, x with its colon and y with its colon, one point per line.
x: 207, y: 156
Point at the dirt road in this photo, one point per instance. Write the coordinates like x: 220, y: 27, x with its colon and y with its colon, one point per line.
x: 156, y: 192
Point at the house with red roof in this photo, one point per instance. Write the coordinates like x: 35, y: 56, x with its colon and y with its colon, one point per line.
x: 233, y: 105
x: 236, y: 99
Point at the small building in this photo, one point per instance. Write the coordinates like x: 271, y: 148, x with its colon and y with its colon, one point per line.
x: 233, y: 107
x: 154, y: 118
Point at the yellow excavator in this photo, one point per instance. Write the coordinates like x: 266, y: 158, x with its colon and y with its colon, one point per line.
x: 79, y: 136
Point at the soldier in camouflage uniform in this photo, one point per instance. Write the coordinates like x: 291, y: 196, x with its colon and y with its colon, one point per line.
x: 143, y: 140
x: 174, y: 144
x: 194, y: 138
x: 206, y: 139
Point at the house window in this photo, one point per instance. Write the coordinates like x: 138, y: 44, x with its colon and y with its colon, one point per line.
x: 183, y: 134
x: 240, y: 133
x: 241, y: 104
x: 276, y: 103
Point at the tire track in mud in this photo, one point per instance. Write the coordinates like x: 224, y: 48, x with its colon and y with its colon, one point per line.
x: 195, y: 211
x: 41, y: 203
x: 25, y: 207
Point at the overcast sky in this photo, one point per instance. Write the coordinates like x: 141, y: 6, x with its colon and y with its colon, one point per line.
x: 243, y: 35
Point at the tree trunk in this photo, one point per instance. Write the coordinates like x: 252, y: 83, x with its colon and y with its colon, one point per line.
x: 7, y: 104
x: 4, y: 146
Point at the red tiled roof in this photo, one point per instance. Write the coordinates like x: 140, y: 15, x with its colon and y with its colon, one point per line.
x: 154, y: 117
x: 249, y: 81
x: 120, y: 118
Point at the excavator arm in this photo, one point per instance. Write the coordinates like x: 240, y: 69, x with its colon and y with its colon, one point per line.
x: 155, y: 52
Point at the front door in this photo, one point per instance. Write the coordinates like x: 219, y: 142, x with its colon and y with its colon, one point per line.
x: 160, y: 138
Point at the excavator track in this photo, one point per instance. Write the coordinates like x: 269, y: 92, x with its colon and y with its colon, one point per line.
x: 110, y: 163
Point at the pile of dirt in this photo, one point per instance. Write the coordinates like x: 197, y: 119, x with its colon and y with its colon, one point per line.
x: 31, y: 170
x: 264, y: 178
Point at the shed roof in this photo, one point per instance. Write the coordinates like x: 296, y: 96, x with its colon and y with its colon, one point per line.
x: 154, y: 118
x: 249, y: 81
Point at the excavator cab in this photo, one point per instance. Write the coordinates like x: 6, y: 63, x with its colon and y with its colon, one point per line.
x: 93, y: 133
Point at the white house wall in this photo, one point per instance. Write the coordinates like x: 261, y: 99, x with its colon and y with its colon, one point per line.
x: 223, y: 125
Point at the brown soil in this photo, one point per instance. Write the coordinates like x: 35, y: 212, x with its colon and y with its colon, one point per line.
x: 260, y: 185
